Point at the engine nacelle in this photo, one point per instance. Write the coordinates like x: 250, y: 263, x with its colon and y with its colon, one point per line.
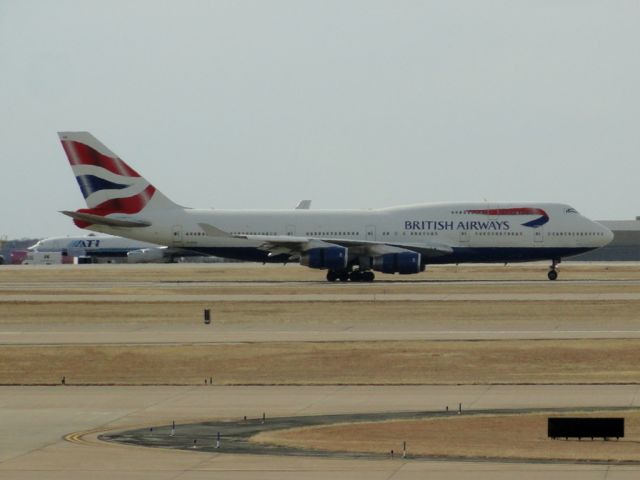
x: 332, y: 258
x: 402, y: 262
x: 145, y: 255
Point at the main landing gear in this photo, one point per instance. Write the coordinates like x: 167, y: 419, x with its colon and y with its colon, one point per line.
x: 553, y: 273
x: 354, y: 276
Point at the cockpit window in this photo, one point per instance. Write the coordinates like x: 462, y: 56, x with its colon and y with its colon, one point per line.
x: 570, y: 210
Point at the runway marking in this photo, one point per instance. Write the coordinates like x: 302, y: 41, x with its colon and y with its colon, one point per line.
x: 301, y: 298
x: 78, y: 437
x: 248, y: 284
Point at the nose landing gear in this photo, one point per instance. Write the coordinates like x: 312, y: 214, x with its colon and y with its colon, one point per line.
x: 553, y: 273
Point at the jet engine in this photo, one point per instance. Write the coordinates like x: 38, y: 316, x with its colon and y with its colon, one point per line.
x: 401, y: 262
x: 332, y: 258
x: 145, y: 255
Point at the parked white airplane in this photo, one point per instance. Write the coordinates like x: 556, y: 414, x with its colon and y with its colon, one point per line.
x: 349, y: 244
x: 106, y: 246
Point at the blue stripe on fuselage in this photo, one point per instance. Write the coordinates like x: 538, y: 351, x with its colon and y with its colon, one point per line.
x: 538, y: 222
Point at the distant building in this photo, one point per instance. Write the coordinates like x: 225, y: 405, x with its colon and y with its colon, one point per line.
x: 8, y: 246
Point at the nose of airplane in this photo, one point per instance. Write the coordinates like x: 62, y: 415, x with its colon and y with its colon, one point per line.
x: 607, y: 235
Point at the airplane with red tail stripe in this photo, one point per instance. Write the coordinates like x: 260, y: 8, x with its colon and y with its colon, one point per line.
x: 349, y: 244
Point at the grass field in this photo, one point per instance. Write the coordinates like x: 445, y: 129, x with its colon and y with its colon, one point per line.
x: 311, y: 363
x: 487, y: 314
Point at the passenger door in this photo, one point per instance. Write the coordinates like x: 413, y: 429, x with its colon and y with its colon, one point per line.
x: 538, y: 236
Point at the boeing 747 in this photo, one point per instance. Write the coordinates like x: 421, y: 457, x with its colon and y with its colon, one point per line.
x: 348, y: 244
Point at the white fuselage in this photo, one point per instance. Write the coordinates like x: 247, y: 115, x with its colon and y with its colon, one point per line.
x: 490, y: 237
x: 90, y: 245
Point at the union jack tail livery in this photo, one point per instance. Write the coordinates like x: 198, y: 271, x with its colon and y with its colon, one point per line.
x: 109, y: 186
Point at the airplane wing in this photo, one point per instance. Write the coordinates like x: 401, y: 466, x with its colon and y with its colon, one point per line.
x: 373, y: 248
x: 294, y: 246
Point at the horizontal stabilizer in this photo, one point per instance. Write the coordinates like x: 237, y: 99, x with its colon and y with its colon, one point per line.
x: 99, y: 220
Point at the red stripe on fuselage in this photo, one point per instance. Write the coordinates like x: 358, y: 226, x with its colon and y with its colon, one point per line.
x: 81, y: 154
x: 509, y: 211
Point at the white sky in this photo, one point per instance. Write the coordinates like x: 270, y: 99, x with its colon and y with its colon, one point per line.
x: 354, y: 104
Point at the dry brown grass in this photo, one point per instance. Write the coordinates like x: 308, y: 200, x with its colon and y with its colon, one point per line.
x: 597, y: 314
x: 388, y: 363
x: 489, y: 436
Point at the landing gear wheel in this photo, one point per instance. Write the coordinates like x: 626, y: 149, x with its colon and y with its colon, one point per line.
x: 355, y: 276
x: 332, y: 276
x: 343, y: 276
x: 368, y: 276
x: 553, y: 274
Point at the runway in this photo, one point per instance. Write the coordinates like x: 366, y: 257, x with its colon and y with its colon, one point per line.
x: 197, y: 335
x: 341, y: 297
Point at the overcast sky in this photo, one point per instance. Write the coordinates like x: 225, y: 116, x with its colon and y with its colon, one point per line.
x: 353, y: 104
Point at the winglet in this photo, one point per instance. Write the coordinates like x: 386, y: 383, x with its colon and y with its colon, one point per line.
x: 304, y: 205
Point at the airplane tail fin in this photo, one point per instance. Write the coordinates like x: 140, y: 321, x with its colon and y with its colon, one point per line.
x: 108, y: 184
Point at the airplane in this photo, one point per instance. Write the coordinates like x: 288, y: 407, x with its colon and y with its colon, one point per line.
x: 349, y: 244
x: 106, y: 246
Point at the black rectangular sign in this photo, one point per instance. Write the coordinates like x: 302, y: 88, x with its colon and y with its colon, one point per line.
x: 565, y: 427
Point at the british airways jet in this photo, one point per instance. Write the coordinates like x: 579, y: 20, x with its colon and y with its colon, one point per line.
x: 348, y: 244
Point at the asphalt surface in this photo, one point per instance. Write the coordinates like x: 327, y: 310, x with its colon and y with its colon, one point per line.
x: 233, y: 437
